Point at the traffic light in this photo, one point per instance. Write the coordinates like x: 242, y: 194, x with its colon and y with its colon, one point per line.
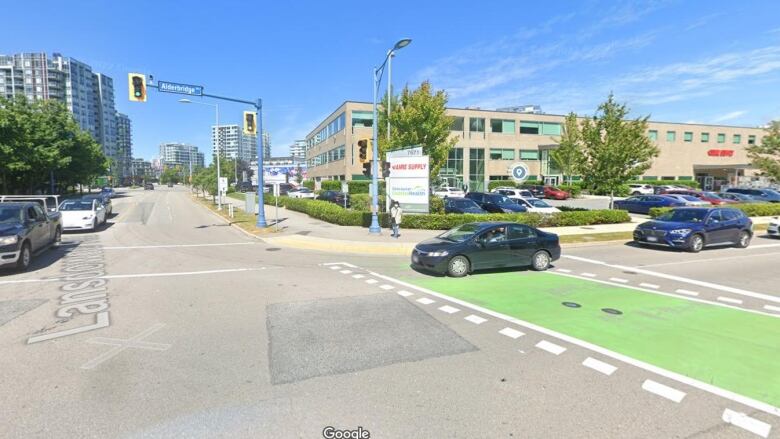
x: 136, y: 87
x: 385, y: 169
x: 250, y: 123
x: 365, y: 150
x: 367, y: 169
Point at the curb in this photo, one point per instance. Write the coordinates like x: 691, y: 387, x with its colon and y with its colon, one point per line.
x: 227, y: 221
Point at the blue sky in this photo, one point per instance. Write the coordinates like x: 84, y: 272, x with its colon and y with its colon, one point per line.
x: 685, y: 61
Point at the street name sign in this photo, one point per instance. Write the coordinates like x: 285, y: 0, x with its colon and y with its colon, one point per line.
x: 183, y: 89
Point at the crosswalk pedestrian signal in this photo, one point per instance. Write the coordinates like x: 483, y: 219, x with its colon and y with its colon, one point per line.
x: 365, y: 151
x: 250, y: 123
x: 367, y: 169
x: 136, y: 86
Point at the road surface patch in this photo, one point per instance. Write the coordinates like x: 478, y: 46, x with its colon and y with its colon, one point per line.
x: 123, y: 344
x: 550, y: 347
x: 599, y: 366
x: 745, y: 422
x: 11, y: 309
x: 667, y: 392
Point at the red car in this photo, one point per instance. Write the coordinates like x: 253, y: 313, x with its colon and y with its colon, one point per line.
x: 555, y: 193
x: 710, y: 197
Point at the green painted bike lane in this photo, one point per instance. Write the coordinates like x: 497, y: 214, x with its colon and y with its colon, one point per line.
x: 732, y: 349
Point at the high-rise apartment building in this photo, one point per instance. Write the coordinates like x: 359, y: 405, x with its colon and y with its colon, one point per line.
x: 124, y: 145
x: 232, y: 143
x: 89, y: 96
x: 180, y: 154
x: 266, y: 144
x: 298, y: 150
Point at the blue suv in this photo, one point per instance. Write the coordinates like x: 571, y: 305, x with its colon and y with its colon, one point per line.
x: 694, y: 228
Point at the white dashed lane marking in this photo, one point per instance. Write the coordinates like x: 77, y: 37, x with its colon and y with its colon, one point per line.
x: 772, y: 308
x: 550, y: 347
x: 405, y: 293
x: 335, y: 267
x: 619, y: 280
x: 588, y: 274
x: 686, y: 292
x: 386, y: 287
x: 511, y: 333
x: 371, y: 281
x: 744, y: 421
x: 599, y: 366
x: 449, y: 309
x: 646, y: 285
x: 563, y: 270
x: 729, y: 300
x: 663, y: 391
x: 477, y: 320
x: 425, y: 301
x: 358, y: 276
x: 345, y: 271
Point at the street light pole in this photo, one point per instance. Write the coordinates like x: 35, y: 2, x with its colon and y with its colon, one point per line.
x: 390, y: 55
x: 260, y: 198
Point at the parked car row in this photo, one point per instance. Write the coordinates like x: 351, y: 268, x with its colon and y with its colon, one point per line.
x: 694, y: 198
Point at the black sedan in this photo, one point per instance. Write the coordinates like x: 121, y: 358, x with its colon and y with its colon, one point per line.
x: 485, y: 245
x: 461, y: 205
x: 495, y: 203
x: 334, y: 197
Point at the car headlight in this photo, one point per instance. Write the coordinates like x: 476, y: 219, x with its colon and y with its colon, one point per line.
x: 439, y: 253
x: 8, y: 240
x: 680, y: 232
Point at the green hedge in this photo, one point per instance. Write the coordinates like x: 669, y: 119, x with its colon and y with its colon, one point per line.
x: 331, y: 185
x: 751, y: 209
x: 332, y: 213
x: 435, y: 205
x: 498, y: 183
x: 362, y: 202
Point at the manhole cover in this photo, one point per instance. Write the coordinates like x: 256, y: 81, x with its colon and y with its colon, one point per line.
x: 273, y: 249
x: 571, y: 304
x: 612, y: 311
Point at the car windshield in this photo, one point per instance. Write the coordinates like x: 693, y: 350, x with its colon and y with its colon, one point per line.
x: 10, y: 215
x: 498, y: 199
x: 76, y: 205
x: 538, y: 203
x: 460, y: 233
x: 684, y: 216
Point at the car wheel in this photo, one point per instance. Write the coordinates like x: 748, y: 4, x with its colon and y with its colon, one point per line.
x: 744, y: 240
x: 540, y: 261
x: 696, y: 243
x: 25, y: 257
x: 57, y: 237
x: 458, y: 266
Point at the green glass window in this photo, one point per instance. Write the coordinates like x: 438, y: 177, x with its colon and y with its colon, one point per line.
x: 529, y: 154
x: 685, y: 177
x: 551, y: 129
x: 737, y: 139
x: 721, y: 138
x: 667, y: 177
x: 653, y: 135
x: 502, y: 154
x: 671, y: 136
x: 705, y: 137
x: 457, y: 124
x: 751, y: 140
x: 362, y: 118
x: 477, y: 124
x: 688, y: 136
x: 649, y: 177
x: 530, y: 127
x: 503, y: 126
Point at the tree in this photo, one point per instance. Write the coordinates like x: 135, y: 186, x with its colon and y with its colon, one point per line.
x: 569, y: 153
x: 766, y: 154
x: 418, y: 118
x: 615, y: 150
x: 170, y: 175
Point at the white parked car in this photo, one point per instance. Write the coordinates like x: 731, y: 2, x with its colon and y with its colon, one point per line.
x: 302, y: 193
x: 774, y: 227
x: 448, y: 192
x: 689, y: 200
x: 514, y: 193
x: 82, y: 214
x: 641, y: 189
x: 535, y: 205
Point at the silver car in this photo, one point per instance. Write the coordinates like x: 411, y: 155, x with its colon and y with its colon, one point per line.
x: 689, y: 200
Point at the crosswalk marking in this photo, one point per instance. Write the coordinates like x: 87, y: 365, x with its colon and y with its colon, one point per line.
x: 477, y: 320
x: 511, y: 333
x: 550, y: 347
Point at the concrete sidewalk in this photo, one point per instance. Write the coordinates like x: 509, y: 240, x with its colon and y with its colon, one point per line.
x: 298, y: 230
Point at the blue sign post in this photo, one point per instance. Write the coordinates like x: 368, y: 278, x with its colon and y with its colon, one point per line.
x: 182, y: 89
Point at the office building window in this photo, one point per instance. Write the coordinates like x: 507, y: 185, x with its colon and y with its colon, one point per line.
x: 529, y: 154
x: 721, y: 138
x: 653, y: 135
x: 737, y: 139
x: 457, y: 124
x: 667, y: 177
x: 705, y: 137
x: 671, y: 136
x: 688, y: 136
x: 751, y: 140
x: 529, y: 127
x: 544, y: 128
x: 451, y: 174
x: 502, y: 154
x: 685, y: 177
x: 551, y: 129
x: 477, y: 124
x: 502, y: 126
x: 476, y: 169
x: 362, y: 118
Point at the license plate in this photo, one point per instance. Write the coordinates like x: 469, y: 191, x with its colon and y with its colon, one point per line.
x: 652, y: 239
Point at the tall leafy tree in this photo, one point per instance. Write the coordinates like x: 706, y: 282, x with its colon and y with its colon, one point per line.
x: 569, y: 153
x: 418, y: 118
x: 766, y: 154
x: 615, y: 150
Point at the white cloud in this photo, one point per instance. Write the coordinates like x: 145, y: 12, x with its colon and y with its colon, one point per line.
x: 730, y: 116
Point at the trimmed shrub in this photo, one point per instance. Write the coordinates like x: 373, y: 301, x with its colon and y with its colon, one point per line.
x: 435, y: 204
x: 331, y: 185
x: 498, y: 183
x: 572, y: 209
x: 358, y: 186
x: 751, y: 209
x: 309, y: 184
x: 362, y: 202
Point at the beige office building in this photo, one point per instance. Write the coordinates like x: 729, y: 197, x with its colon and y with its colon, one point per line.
x: 490, y: 142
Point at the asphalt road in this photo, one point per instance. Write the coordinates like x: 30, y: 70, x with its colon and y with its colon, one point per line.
x: 169, y: 323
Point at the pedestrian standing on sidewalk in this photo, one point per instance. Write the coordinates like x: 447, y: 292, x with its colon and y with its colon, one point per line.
x: 396, y: 215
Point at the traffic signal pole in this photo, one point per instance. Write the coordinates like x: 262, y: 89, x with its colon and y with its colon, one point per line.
x: 258, y: 104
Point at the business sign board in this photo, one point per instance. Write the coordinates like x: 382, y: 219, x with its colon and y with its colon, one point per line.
x: 182, y: 89
x: 222, y: 185
x: 519, y: 172
x: 408, y: 183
